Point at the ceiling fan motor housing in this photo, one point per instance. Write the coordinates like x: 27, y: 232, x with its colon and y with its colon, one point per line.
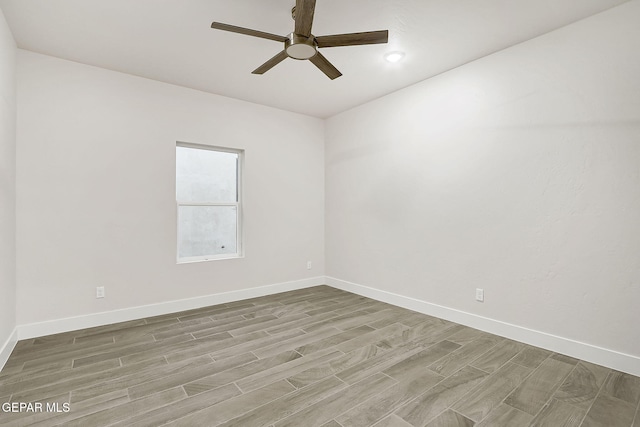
x: 300, y: 47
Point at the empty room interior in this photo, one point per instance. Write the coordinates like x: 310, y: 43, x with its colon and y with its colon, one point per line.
x: 411, y: 213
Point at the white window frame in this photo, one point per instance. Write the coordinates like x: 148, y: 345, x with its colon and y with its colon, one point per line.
x: 238, y: 205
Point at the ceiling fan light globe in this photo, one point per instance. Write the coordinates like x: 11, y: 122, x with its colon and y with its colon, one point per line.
x: 301, y: 51
x: 300, y: 47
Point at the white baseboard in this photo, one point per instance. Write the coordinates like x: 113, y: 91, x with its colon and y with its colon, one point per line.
x: 40, y: 329
x: 7, y: 348
x: 590, y: 353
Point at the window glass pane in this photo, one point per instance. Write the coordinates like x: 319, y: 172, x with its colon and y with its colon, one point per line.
x: 207, y: 230
x: 206, y: 175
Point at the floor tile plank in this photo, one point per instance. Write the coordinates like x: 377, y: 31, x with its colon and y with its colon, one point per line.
x: 152, y: 417
x: 186, y: 375
x: 419, y: 362
x: 376, y: 363
x: 482, y: 399
x: 329, y: 407
x: 558, y: 413
x: 205, y: 383
x: 581, y: 387
x: 531, y: 357
x: 392, y: 421
x: 506, y: 416
x: 368, y: 337
x: 123, y: 379
x: 450, y: 418
x: 623, y: 386
x: 500, y: 355
x: 609, y: 411
x: 285, y: 406
x: 254, y: 341
x: 216, y: 327
x: 200, y: 411
x: 463, y: 355
x: 383, y: 404
x: 286, y: 370
x: 335, y: 366
x: 216, y: 414
x: 435, y: 400
x: 312, y: 342
x: 537, y: 389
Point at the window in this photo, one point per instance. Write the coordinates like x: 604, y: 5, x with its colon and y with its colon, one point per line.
x: 208, y: 196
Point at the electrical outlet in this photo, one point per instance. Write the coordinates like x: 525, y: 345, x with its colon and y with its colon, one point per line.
x: 100, y: 292
x: 308, y: 265
x: 479, y: 294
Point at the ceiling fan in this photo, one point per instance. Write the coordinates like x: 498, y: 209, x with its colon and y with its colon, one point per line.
x: 301, y: 44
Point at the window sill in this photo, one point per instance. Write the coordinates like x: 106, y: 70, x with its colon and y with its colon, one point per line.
x: 194, y: 260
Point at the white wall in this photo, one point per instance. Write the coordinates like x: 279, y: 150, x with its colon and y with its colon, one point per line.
x: 7, y: 185
x: 96, y: 190
x: 518, y: 173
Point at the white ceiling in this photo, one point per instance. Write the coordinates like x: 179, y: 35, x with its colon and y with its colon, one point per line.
x: 171, y: 41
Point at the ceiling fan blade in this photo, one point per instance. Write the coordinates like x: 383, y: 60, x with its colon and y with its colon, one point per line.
x: 304, y: 16
x: 247, y: 31
x: 325, y: 66
x: 271, y: 63
x: 353, y: 39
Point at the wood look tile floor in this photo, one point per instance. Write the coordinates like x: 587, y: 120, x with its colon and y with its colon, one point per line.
x: 315, y: 357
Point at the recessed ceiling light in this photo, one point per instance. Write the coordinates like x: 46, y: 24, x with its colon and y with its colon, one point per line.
x: 394, y: 56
